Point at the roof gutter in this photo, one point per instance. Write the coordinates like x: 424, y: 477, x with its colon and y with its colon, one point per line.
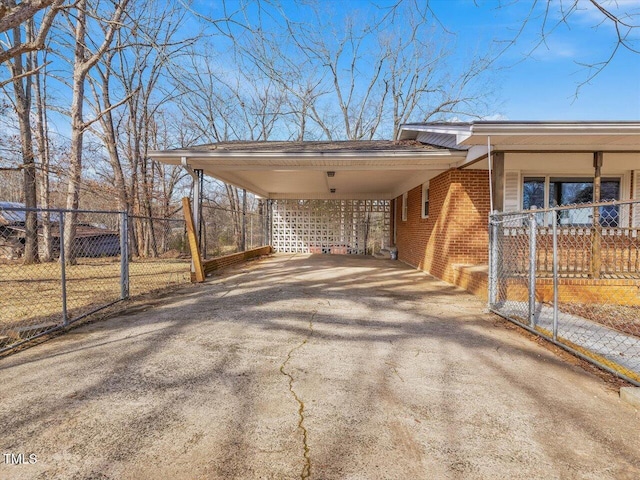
x: 220, y: 153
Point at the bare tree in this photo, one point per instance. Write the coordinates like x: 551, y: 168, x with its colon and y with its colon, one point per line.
x: 42, y: 139
x: 134, y: 69
x: 22, y: 103
x: 354, y: 76
x: 14, y: 15
x: 221, y: 106
x: 614, y: 22
x: 84, y: 61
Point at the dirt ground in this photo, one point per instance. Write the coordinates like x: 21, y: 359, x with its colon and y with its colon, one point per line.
x: 302, y: 366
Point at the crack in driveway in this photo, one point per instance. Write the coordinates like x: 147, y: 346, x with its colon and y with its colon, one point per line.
x: 306, y: 469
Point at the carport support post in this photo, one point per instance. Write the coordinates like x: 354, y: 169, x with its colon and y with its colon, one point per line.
x: 197, y: 200
x: 243, y: 239
x: 270, y: 222
x: 124, y: 255
x: 532, y: 270
x: 497, y: 181
x: 264, y: 215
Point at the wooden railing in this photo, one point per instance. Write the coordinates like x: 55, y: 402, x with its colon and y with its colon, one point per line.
x: 583, y: 251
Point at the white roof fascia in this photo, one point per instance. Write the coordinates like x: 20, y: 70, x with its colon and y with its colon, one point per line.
x: 367, y: 154
x: 556, y: 128
x: 480, y: 131
x: 460, y: 131
x: 474, y: 153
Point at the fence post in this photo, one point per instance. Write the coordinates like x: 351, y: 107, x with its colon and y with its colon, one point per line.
x: 554, y: 223
x: 532, y: 270
x: 124, y: 255
x: 63, y: 271
x: 493, y: 264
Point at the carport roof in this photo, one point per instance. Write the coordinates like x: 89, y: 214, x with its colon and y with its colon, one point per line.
x: 384, y: 169
x: 377, y: 169
x: 337, y: 147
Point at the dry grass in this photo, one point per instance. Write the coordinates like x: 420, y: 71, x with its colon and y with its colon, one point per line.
x: 32, y: 294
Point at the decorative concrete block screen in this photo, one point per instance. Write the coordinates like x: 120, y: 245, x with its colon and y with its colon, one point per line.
x: 356, y: 227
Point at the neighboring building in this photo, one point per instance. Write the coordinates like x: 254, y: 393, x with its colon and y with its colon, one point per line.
x: 90, y: 240
x: 429, y: 188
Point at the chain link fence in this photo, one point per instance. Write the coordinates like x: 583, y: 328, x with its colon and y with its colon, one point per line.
x: 572, y: 275
x: 85, y: 261
x: 222, y: 230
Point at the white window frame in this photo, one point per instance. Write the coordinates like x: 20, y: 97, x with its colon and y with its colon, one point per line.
x: 623, y: 178
x: 425, y: 200
x: 405, y: 206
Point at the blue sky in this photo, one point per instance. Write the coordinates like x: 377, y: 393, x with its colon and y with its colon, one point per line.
x: 541, y: 85
x: 544, y: 83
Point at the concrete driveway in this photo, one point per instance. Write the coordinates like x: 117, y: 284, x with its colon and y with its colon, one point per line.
x: 309, y: 367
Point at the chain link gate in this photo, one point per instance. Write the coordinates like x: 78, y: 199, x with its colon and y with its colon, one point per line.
x: 572, y: 275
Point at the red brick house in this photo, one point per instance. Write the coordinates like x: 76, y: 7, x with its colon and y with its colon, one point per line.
x: 431, y: 189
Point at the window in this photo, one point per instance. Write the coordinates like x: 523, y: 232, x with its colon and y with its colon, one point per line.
x: 533, y: 193
x: 425, y: 200
x: 545, y: 192
x: 404, y: 206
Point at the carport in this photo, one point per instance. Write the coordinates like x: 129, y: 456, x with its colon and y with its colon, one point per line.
x: 321, y: 196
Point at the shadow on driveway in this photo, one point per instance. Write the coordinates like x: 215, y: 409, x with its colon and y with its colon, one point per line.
x: 306, y: 366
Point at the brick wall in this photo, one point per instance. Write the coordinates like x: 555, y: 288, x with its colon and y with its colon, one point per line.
x: 455, y: 233
x: 572, y: 291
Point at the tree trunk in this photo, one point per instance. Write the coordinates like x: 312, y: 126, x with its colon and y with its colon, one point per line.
x: 83, y: 62
x: 75, y: 156
x: 22, y: 90
x: 42, y: 138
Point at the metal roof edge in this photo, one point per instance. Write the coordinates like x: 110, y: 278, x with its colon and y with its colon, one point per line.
x: 484, y: 127
x: 452, y: 128
x: 440, y: 152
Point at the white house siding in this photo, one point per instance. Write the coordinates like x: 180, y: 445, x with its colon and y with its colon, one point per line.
x: 512, y: 187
